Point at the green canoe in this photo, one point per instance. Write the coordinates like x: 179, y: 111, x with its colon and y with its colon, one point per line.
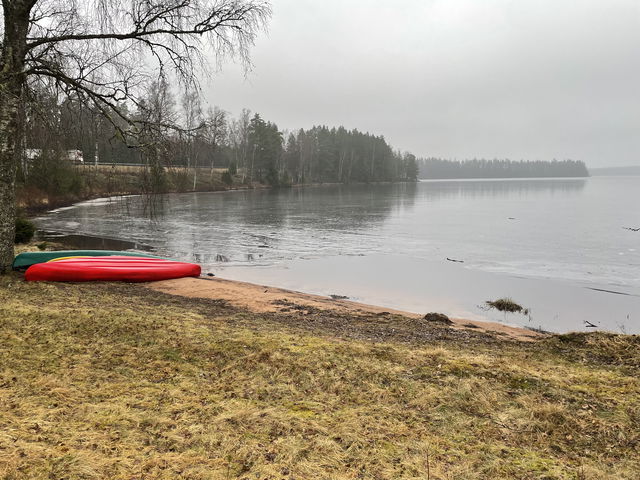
x: 25, y: 260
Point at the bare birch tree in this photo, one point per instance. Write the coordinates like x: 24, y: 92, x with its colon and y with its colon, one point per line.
x: 194, y: 123
x: 239, y: 140
x: 101, y: 51
x: 216, y: 133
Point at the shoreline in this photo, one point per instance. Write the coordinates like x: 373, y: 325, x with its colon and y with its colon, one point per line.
x: 267, y: 299
x: 255, y: 298
x: 264, y: 299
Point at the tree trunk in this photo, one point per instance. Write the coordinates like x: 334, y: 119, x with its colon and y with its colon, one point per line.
x: 8, y: 164
x: 16, y: 22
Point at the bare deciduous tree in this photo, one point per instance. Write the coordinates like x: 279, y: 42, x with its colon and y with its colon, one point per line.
x: 193, y: 122
x: 102, y: 51
x: 215, y: 132
x: 239, y: 139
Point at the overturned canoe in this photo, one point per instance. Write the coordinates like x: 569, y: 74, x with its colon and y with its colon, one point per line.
x: 25, y: 260
x: 110, y: 269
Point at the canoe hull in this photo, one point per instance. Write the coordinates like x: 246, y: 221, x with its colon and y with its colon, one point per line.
x: 25, y: 260
x: 110, y: 269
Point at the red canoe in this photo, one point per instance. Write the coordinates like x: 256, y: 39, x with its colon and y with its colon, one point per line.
x: 110, y: 269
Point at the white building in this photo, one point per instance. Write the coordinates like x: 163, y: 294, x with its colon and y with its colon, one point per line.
x: 74, y: 156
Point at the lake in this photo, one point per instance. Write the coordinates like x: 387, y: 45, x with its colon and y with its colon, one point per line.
x: 556, y: 246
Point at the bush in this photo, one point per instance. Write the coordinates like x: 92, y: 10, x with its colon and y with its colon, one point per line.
x: 24, y: 230
x: 52, y: 173
x: 227, y: 178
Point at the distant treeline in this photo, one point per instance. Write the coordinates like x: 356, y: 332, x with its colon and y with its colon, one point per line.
x: 435, y: 168
x: 616, y: 171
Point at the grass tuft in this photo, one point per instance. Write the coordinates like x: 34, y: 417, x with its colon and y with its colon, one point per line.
x: 507, y: 305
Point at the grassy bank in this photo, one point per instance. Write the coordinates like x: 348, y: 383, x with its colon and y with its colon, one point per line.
x: 83, y: 182
x: 121, y: 382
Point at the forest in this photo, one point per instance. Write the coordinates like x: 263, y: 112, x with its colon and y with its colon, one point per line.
x: 170, y: 130
x: 438, y: 168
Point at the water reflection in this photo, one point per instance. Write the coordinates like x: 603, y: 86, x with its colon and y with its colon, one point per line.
x: 332, y: 207
x: 491, y: 224
x: 246, y: 226
x: 322, y: 207
x: 437, y: 189
x: 89, y: 242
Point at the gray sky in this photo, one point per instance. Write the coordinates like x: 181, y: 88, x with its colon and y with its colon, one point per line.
x: 453, y: 78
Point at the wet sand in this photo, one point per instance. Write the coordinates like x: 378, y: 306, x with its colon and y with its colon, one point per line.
x: 266, y: 299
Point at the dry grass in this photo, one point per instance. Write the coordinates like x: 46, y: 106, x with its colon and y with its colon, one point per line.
x: 106, y: 381
x: 506, y: 305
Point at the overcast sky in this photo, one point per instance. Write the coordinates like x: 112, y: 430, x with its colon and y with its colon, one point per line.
x: 524, y: 79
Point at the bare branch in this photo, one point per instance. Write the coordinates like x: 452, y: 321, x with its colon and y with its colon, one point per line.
x: 104, y: 52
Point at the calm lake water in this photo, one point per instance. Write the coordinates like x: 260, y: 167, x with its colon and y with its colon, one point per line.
x: 556, y: 246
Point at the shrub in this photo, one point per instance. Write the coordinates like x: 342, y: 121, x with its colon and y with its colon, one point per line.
x: 24, y: 230
x: 53, y: 174
x: 226, y: 178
